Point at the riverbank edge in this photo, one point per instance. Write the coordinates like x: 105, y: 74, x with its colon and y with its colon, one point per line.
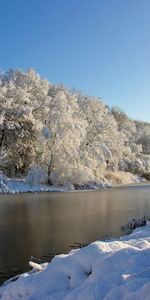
x: 17, y: 186
x: 73, y: 270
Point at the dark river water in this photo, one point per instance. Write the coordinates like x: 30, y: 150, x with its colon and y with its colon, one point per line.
x: 45, y: 224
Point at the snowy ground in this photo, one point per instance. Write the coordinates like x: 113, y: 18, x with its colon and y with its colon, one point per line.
x: 21, y: 186
x: 110, y: 270
x: 29, y: 184
x: 13, y: 186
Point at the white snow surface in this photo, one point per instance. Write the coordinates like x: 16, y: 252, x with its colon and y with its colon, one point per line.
x: 13, y: 186
x: 109, y: 270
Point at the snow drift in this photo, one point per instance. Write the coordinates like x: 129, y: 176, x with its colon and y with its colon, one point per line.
x: 109, y: 270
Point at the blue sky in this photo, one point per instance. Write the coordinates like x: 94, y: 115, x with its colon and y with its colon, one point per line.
x: 101, y: 47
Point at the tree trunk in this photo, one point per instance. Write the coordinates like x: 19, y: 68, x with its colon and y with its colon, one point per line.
x: 48, y: 175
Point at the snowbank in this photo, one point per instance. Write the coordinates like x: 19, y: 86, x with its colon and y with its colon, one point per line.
x: 110, y: 270
x: 34, y: 183
x: 13, y: 186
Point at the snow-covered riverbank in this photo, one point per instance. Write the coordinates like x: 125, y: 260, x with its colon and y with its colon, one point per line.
x: 14, y: 185
x: 110, y: 270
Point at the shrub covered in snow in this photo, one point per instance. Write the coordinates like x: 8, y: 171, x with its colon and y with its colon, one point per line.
x: 3, y: 183
x: 137, y: 166
x: 36, y: 175
x: 91, y: 186
x: 118, y: 177
x: 3, y: 178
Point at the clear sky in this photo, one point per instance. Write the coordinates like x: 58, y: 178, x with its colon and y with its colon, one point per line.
x: 101, y: 47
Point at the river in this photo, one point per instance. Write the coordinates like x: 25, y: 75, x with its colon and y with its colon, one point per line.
x: 44, y: 224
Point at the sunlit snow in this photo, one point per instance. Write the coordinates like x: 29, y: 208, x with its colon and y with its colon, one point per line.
x: 109, y: 270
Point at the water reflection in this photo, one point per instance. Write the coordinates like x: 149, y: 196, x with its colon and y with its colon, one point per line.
x: 40, y: 224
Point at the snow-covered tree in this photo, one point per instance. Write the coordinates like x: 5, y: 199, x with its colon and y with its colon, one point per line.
x: 73, y: 138
x: 101, y: 130
x: 61, y: 136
